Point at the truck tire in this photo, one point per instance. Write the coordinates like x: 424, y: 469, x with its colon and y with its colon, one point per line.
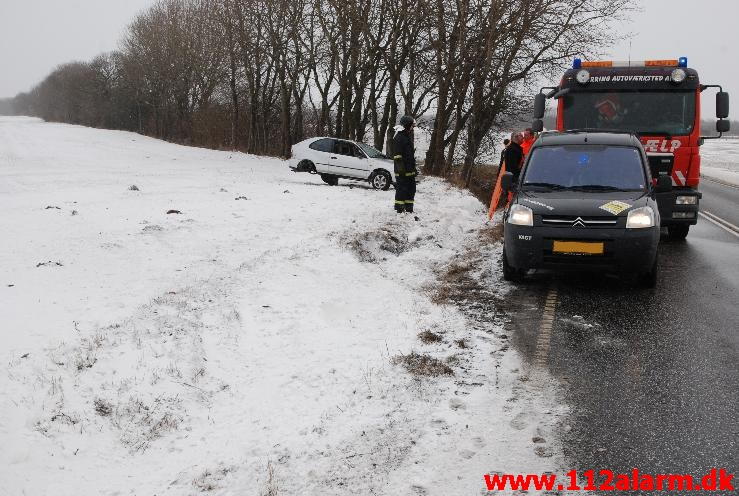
x: 510, y: 273
x: 380, y: 180
x: 678, y: 232
x: 330, y: 179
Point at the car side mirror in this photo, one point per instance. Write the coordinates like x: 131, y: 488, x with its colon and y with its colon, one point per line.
x: 723, y: 126
x: 664, y: 184
x: 506, y: 182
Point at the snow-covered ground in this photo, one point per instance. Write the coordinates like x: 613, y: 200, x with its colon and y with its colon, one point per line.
x: 720, y: 160
x: 250, y: 344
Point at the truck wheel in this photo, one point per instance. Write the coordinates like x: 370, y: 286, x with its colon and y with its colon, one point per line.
x: 510, y: 273
x: 678, y: 232
x: 649, y: 279
x: 380, y: 180
x: 330, y: 179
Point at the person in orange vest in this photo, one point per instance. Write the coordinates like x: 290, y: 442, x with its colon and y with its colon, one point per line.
x: 528, y: 139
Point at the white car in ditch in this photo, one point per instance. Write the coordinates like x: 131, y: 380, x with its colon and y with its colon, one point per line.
x: 335, y: 158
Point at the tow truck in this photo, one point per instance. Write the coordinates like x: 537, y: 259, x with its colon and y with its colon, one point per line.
x: 657, y: 100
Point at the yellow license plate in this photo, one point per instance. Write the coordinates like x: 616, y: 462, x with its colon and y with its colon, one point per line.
x: 578, y: 247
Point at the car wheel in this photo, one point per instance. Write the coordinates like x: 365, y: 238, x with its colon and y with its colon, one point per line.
x: 307, y: 166
x: 678, y: 232
x: 510, y: 273
x: 380, y: 180
x: 649, y: 279
x: 330, y: 179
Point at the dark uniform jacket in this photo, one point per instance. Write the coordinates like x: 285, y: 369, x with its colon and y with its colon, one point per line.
x: 403, y: 154
x: 513, y: 158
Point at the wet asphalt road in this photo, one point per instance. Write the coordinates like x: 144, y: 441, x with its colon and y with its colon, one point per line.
x: 651, y: 376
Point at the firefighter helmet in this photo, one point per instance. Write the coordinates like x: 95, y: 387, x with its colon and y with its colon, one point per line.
x: 407, y: 121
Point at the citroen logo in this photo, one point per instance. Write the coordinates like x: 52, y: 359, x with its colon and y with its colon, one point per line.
x: 578, y: 222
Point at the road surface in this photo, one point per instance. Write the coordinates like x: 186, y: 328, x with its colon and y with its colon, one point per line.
x: 652, y: 376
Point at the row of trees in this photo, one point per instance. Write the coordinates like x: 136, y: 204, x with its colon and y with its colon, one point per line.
x: 260, y: 75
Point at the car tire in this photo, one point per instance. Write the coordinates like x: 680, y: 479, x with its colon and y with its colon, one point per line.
x: 510, y: 273
x: 380, y: 180
x: 678, y: 232
x: 307, y: 166
x: 330, y: 179
x: 649, y: 279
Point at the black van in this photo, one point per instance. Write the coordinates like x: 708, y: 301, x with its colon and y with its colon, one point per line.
x: 584, y: 201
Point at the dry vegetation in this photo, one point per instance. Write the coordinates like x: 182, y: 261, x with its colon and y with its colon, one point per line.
x: 423, y: 365
x: 429, y: 337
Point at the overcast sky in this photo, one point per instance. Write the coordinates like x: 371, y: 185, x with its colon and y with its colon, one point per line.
x: 37, y: 35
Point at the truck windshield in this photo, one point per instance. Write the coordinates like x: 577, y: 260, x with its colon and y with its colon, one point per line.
x: 643, y: 112
x: 585, y: 167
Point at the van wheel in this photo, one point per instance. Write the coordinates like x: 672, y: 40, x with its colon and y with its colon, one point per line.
x: 678, y: 232
x: 649, y: 279
x: 510, y: 273
x: 329, y: 179
x: 380, y: 180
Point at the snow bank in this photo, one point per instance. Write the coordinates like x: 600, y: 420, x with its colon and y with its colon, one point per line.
x: 720, y: 160
x: 246, y: 344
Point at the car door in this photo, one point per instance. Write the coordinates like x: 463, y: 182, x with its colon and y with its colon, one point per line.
x: 348, y: 160
x: 321, y: 152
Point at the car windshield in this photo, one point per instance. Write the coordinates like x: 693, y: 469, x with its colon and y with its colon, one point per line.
x: 371, y: 151
x: 644, y: 112
x: 586, y: 167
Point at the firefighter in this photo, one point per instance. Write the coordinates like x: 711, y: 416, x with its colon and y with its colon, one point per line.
x: 405, y: 165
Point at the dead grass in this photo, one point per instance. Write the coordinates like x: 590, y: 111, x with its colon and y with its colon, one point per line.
x: 428, y: 337
x: 481, y: 184
x: 103, y: 407
x: 143, y: 423
x: 462, y: 343
x: 272, y: 488
x: 423, y: 365
x: 370, y: 245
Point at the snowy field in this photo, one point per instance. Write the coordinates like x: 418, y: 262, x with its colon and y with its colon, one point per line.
x: 250, y: 344
x: 720, y: 159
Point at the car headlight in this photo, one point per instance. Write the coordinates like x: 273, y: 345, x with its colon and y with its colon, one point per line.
x: 686, y: 200
x: 640, y: 218
x: 520, y: 215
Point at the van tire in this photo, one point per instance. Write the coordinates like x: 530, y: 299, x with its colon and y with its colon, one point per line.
x: 510, y: 273
x: 649, y: 279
